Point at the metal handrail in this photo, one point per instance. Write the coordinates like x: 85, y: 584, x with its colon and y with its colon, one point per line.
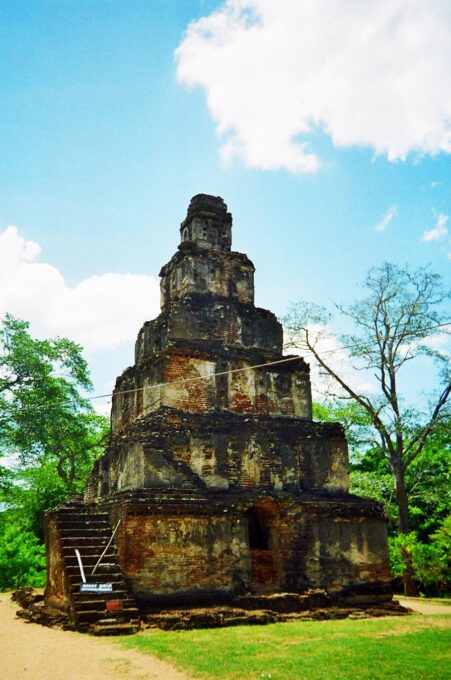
x: 107, y: 546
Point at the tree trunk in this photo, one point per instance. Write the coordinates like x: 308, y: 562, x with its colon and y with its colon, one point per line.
x: 410, y: 588
x: 402, y: 502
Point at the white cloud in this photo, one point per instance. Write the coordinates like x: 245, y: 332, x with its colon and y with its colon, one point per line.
x: 337, y: 357
x: 103, y: 408
x: 437, y: 232
x: 386, y: 219
x: 373, y: 74
x: 101, y: 312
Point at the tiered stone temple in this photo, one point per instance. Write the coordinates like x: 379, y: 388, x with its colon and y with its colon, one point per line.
x: 223, y: 482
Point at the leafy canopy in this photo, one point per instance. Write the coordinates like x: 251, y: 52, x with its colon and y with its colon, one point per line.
x: 49, y: 438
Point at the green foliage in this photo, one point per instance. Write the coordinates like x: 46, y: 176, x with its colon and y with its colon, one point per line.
x: 22, y: 556
x: 428, y: 482
x: 431, y: 561
x: 428, y: 488
x: 355, y: 420
x: 42, y: 413
x: 50, y: 434
x: 379, y: 487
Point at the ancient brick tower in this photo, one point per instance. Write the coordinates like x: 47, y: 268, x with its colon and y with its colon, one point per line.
x: 223, y: 482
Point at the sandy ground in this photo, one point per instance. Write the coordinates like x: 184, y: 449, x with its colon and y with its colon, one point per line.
x: 421, y: 607
x: 31, y: 651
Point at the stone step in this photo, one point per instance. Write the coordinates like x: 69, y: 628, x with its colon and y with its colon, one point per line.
x: 118, y: 594
x: 89, y: 560
x: 81, y: 542
x: 70, y: 542
x: 93, y: 535
x: 113, y: 576
x: 103, y: 628
x: 86, y: 531
x: 89, y: 551
x: 69, y: 519
x: 93, y: 615
x: 85, y: 534
x: 128, y: 605
x: 84, y: 520
x: 70, y: 557
x: 80, y: 520
x: 98, y: 577
x: 83, y: 511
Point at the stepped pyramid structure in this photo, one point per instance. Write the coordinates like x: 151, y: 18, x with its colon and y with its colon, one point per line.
x: 222, y: 482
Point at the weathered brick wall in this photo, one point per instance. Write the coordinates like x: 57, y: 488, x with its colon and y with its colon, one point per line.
x: 182, y: 556
x: 217, y: 452
x: 190, y: 383
x: 212, y: 321
x: 323, y: 464
x: 207, y: 224
x: 229, y: 275
x: 345, y: 554
x: 349, y: 554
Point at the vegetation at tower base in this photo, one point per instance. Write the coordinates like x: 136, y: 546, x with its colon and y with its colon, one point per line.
x: 399, y: 321
x: 428, y: 491
x: 220, y: 483
x: 49, y: 437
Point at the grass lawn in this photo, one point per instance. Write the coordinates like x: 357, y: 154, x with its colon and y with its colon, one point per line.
x: 408, y: 648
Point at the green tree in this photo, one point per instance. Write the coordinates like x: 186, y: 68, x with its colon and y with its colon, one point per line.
x: 49, y: 433
x: 43, y: 416
x: 392, y: 326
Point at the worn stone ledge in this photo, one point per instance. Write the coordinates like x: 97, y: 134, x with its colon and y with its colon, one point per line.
x: 219, y: 421
x: 221, y: 617
x: 173, y: 500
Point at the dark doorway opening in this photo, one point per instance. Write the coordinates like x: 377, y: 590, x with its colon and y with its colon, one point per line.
x: 263, y: 548
x: 258, y: 531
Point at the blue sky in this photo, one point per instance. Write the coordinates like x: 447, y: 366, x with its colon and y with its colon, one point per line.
x: 106, y: 132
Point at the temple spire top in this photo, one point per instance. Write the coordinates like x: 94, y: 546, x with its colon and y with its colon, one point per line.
x: 207, y: 225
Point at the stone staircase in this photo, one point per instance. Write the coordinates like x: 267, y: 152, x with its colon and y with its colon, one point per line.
x: 101, y: 613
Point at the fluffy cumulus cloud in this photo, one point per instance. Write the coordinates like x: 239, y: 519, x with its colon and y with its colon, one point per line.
x: 386, y: 218
x: 438, y: 231
x: 101, y: 312
x: 371, y: 74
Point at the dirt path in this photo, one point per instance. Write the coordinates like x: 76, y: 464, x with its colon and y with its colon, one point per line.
x: 38, y: 653
x: 417, y: 605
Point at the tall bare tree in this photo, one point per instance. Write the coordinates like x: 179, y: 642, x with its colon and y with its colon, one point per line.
x: 400, y: 320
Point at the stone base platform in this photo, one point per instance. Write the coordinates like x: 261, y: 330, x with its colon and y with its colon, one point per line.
x: 248, y: 610
x: 224, y: 616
